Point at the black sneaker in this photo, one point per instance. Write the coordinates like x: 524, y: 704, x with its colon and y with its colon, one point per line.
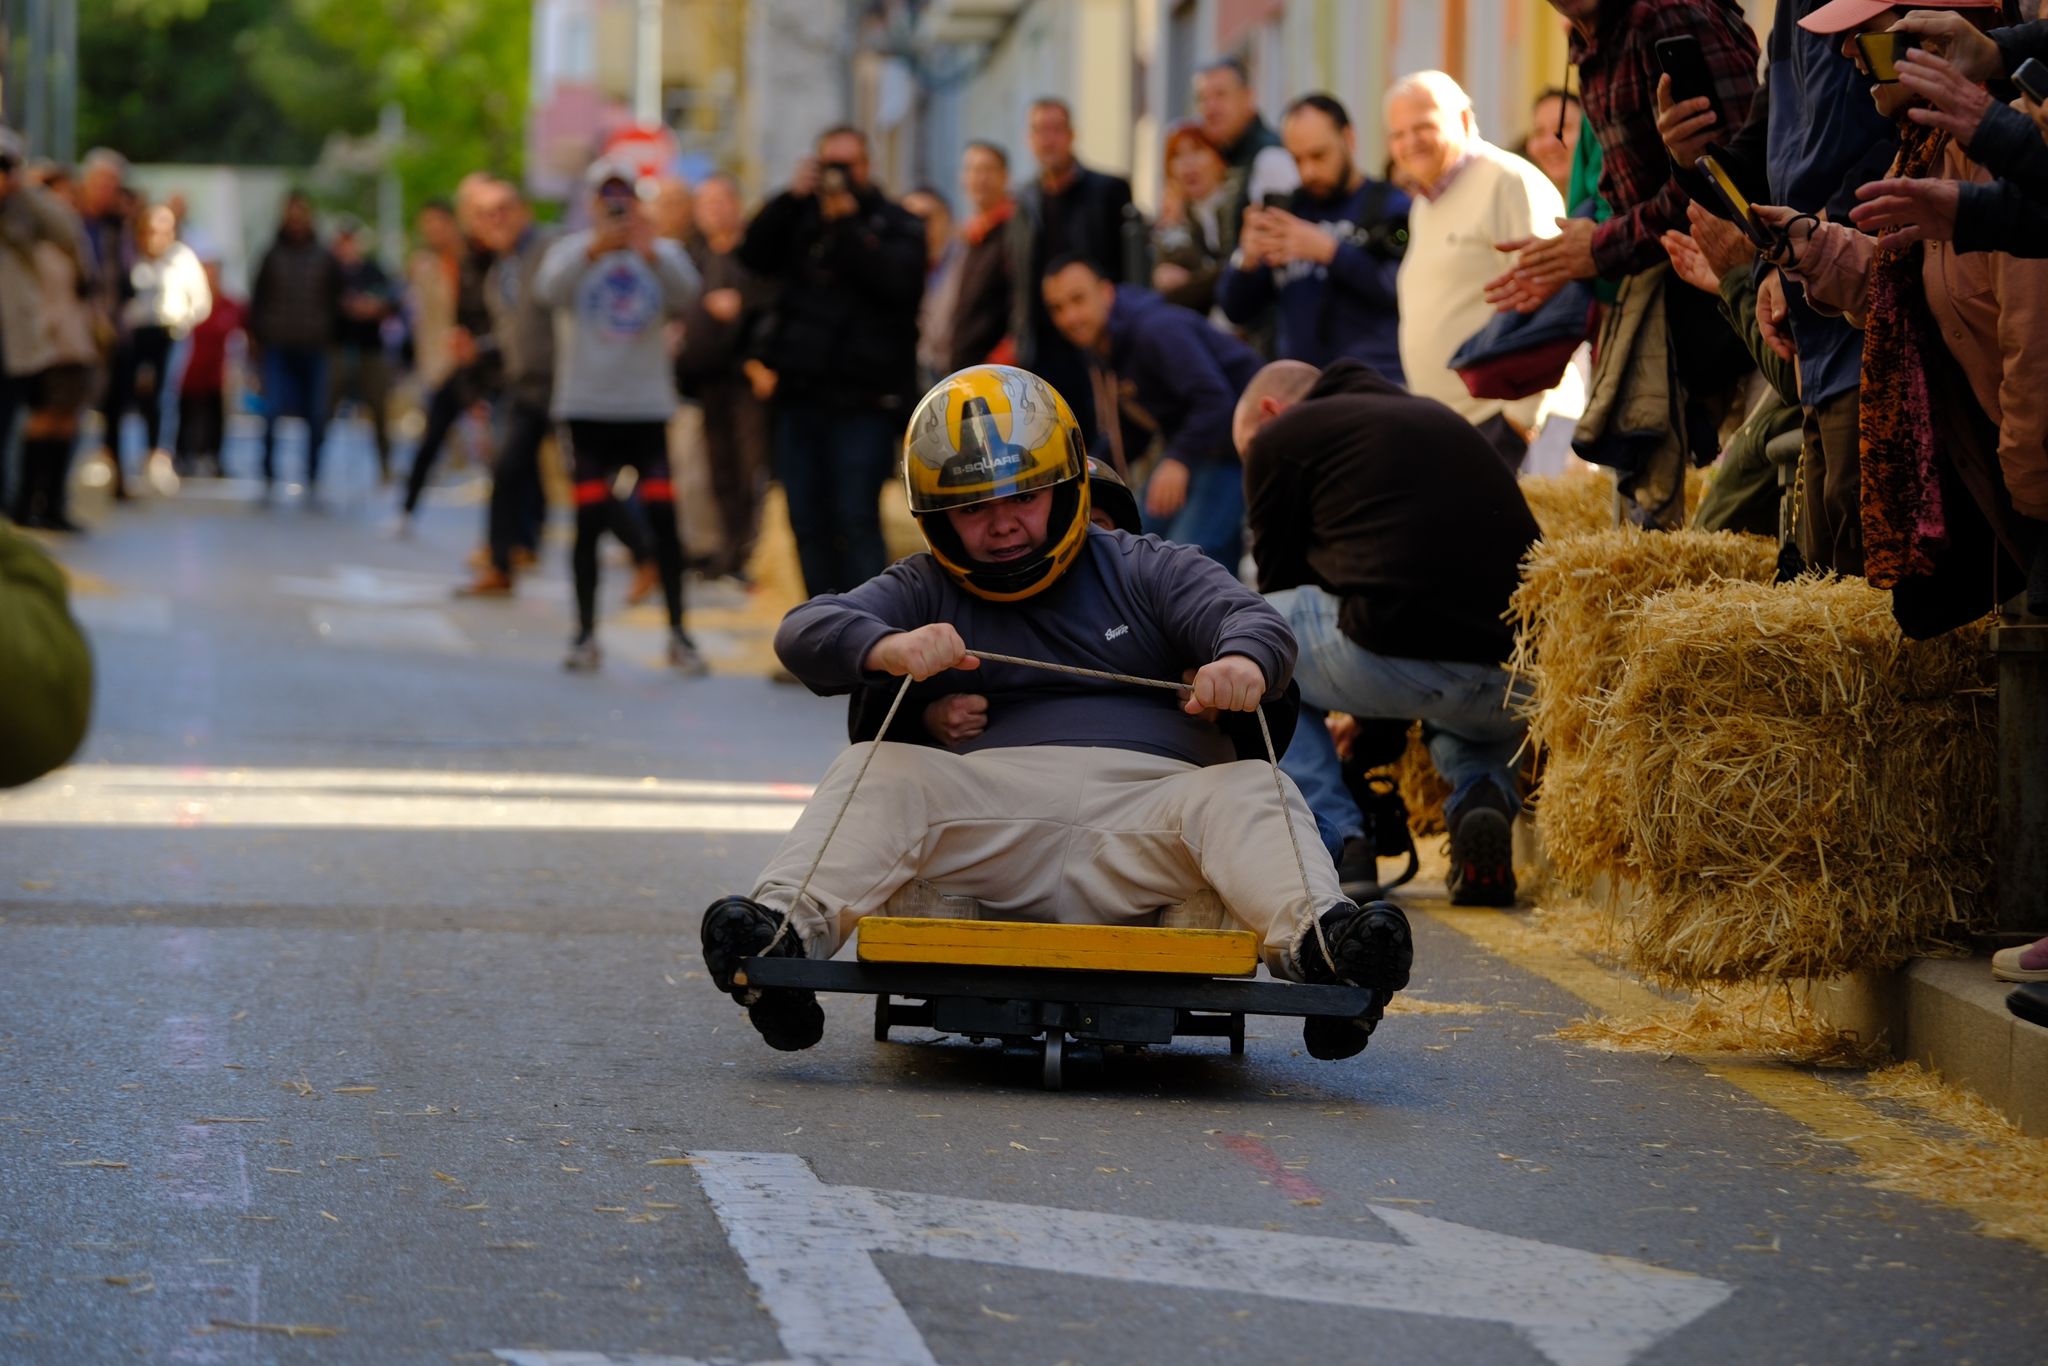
x: 1358, y: 869
x: 737, y: 928
x: 1483, y: 850
x: 1372, y: 948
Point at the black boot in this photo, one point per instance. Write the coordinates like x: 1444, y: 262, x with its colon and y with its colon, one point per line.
x: 737, y: 928
x: 1483, y: 849
x: 1370, y: 947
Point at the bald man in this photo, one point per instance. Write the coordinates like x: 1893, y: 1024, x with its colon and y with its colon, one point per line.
x: 1390, y: 535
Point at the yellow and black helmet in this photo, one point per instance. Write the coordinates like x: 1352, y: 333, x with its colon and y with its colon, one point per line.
x: 989, y: 432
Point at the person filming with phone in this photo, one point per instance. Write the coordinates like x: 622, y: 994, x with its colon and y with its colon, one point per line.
x: 1955, y: 456
x: 1328, y: 255
x: 842, y: 349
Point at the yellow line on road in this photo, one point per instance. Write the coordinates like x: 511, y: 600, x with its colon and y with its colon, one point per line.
x: 1833, y: 1114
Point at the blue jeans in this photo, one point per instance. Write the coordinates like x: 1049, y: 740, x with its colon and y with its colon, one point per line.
x: 1212, y: 518
x: 832, y: 463
x: 1473, y: 736
x: 294, y: 385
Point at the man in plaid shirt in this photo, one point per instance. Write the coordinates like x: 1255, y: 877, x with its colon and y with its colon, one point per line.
x: 1614, y: 44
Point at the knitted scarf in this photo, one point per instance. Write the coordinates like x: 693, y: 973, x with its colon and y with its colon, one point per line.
x: 1904, y: 527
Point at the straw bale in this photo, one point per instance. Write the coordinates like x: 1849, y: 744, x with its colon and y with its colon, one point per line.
x: 1570, y: 504
x: 1581, y: 501
x: 1575, y: 601
x: 1800, y: 792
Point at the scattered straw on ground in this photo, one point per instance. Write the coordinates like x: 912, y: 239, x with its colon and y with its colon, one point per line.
x: 1994, y: 1166
x: 1750, y: 1021
x: 1404, y: 1004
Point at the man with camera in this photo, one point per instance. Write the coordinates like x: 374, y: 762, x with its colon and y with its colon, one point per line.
x: 1327, y: 256
x: 843, y: 351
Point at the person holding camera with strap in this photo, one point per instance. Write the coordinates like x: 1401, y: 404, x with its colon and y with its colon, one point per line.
x: 1327, y: 257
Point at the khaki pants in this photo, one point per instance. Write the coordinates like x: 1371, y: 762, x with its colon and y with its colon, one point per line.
x: 1053, y: 834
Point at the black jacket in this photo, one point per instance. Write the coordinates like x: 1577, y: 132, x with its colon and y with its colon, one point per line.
x: 844, y: 333
x: 296, y: 299
x: 2011, y: 213
x: 1090, y: 216
x: 1397, y: 506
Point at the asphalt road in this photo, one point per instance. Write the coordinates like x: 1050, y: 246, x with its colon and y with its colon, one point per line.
x: 351, y: 1013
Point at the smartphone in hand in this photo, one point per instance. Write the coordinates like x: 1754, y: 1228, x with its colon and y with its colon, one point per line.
x: 1881, y: 53
x: 1739, y: 210
x: 1686, y: 64
x: 2032, y: 77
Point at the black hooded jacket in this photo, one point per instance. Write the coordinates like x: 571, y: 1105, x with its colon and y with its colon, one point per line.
x: 1397, y: 506
x: 844, y: 332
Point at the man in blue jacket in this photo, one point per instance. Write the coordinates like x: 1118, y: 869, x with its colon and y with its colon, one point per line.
x: 1329, y: 259
x: 1081, y: 800
x: 1162, y: 368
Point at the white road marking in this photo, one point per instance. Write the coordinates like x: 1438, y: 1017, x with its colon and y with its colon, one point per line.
x: 361, y: 585
x: 805, y: 1246
x: 385, y: 629
x: 166, y: 797
x: 142, y: 615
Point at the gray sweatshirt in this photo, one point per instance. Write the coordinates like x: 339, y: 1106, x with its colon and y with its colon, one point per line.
x: 1133, y: 605
x: 611, y: 349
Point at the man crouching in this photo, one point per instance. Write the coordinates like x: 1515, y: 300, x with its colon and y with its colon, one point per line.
x: 1078, y: 800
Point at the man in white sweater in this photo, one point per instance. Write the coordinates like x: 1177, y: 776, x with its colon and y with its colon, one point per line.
x: 1469, y: 195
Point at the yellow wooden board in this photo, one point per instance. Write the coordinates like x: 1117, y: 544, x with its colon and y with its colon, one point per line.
x: 1100, y: 948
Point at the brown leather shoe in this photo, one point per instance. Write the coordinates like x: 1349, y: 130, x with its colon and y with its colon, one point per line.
x: 488, y: 584
x: 646, y: 583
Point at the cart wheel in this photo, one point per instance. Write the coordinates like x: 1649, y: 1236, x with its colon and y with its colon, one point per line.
x: 1237, y: 1036
x: 1052, y: 1067
x: 882, y: 1018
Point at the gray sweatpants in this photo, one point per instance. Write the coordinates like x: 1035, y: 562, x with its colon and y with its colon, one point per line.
x: 1053, y: 834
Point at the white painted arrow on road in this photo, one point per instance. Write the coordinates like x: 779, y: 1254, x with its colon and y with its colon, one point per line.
x: 806, y: 1246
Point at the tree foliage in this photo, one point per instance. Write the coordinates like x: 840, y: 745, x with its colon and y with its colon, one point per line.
x: 270, y: 81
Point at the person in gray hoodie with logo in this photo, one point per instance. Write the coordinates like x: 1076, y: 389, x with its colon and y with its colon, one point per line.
x: 613, y: 287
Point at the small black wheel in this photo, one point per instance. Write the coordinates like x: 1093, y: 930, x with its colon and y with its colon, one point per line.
x: 1237, y: 1036
x: 1052, y: 1067
x: 882, y: 1019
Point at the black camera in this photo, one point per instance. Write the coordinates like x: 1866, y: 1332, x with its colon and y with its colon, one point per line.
x: 835, y: 177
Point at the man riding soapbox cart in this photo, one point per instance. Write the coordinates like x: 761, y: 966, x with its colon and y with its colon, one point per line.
x: 1075, y: 830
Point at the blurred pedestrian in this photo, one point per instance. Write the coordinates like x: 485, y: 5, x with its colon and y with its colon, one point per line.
x: 941, y: 282
x: 717, y: 332
x: 1066, y: 210
x: 292, y: 313
x: 107, y: 209
x: 1553, y: 137
x: 1167, y: 370
x: 361, y: 368
x: 432, y: 279
x: 168, y: 295
x: 843, y: 349
x: 1196, y: 231
x: 1327, y: 263
x: 1470, y: 195
x: 523, y: 332
x: 1259, y: 164
x: 613, y: 287
x: 980, y: 327
x: 471, y: 376
x: 46, y: 334
x: 672, y: 209
x: 202, y: 388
